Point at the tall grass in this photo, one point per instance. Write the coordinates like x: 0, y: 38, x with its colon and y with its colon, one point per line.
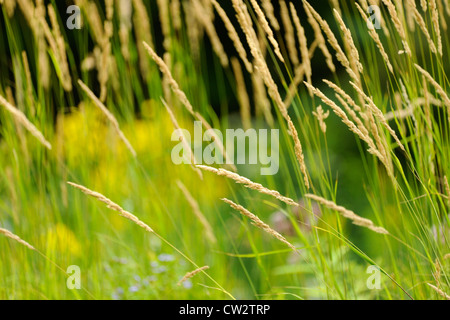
x: 364, y: 119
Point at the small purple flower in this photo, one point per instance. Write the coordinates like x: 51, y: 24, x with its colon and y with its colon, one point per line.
x: 133, y: 289
x: 117, y: 295
x: 160, y: 269
x: 187, y: 284
x: 164, y: 257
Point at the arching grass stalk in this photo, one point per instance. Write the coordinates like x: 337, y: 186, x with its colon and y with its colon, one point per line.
x: 111, y: 205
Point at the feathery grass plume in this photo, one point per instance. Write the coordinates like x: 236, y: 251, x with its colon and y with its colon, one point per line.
x: 143, y: 33
x: 348, y: 103
x: 337, y: 110
x: 424, y: 5
x: 262, y: 103
x: 165, y: 81
x: 31, y: 12
x: 435, y: 20
x: 232, y: 33
x: 44, y: 68
x: 60, y: 50
x: 357, y: 220
x: 447, y: 190
x: 437, y: 273
x: 381, y: 142
x: 289, y: 33
x: 446, y: 256
x: 338, y: 90
x: 266, y: 27
x: 421, y: 101
x: 245, y: 22
x: 258, y: 222
x: 364, y: 4
x: 340, y: 55
x: 108, y: 115
x: 353, y: 115
x: 364, y: 136
x: 55, y: 28
x: 380, y: 150
x: 248, y: 184
x: 9, y: 95
x: 175, y: 14
x: 299, y: 74
x: 409, y: 13
x: 109, y: 7
x: 378, y: 114
x: 262, y: 41
x: 242, y: 95
x: 208, y: 25
x: 304, y: 52
x: 14, y: 237
x: 439, y: 291
x: 398, y: 25
x: 208, y: 7
x: 125, y: 13
x: 197, y: 212
x: 193, y: 29
x: 101, y: 32
x: 163, y: 11
x: 321, y: 116
x: 183, y: 140
x: 174, y: 85
x: 376, y: 38
x: 429, y: 124
x: 88, y: 63
x: 442, y: 16
x: 320, y: 39
x: 400, y: 114
x: 22, y: 119
x: 26, y: 67
x: 10, y: 6
x: 335, y: 6
x: 405, y: 94
x: 354, y: 55
x: 437, y: 87
x: 111, y: 205
x: 33, y: 16
x: 268, y: 8
x: 107, y: 61
x: 94, y: 20
x: 421, y: 23
x: 42, y: 22
x: 192, y: 273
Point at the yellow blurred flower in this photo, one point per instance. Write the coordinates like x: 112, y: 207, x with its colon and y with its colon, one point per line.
x: 62, y: 240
